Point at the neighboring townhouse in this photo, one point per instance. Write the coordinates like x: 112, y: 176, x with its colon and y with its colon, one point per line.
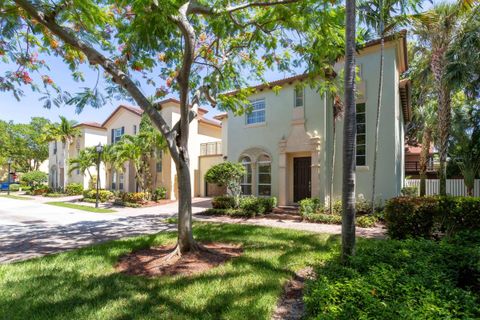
x: 91, y: 134
x: 286, y: 142
x: 203, y: 134
x: 412, y: 162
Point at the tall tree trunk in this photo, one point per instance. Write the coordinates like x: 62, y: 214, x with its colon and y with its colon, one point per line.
x: 424, y: 158
x: 185, y: 237
x: 444, y: 115
x: 349, y: 137
x: 379, y: 105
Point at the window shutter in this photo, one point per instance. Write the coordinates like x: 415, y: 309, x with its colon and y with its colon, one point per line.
x: 112, y: 137
x: 123, y: 131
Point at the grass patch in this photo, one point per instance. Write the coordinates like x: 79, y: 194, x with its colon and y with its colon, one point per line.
x: 83, y: 284
x: 79, y: 207
x: 14, y: 197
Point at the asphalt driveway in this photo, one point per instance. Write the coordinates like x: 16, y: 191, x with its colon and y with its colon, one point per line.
x: 30, y: 228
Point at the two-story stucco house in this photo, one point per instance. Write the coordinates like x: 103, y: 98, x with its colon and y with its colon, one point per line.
x: 205, y: 148
x: 203, y: 134
x: 91, y: 134
x: 286, y: 141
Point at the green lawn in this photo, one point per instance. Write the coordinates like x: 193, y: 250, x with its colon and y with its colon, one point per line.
x: 83, y: 284
x: 15, y: 197
x: 79, y: 207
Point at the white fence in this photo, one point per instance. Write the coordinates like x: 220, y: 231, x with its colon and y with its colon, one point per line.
x: 455, y: 187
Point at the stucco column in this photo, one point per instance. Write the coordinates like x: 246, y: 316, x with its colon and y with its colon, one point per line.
x: 282, y: 175
x: 316, y: 191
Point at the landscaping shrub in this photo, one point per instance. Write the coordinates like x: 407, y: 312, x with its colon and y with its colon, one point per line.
x: 458, y: 213
x: 391, y: 279
x: 366, y: 221
x: 134, y: 197
x: 14, y: 187
x: 225, y: 212
x: 410, y: 217
x: 74, y: 189
x: 120, y: 202
x: 103, y: 195
x: 426, y: 216
x: 25, y: 187
x: 324, y: 218
x: 223, y: 202
x: 409, y: 191
x: 159, y: 194
x: 268, y: 203
x: 34, y: 178
x: 309, y: 206
x: 252, y: 206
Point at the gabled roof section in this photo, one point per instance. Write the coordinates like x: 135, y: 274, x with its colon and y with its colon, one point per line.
x: 134, y: 110
x: 405, y: 95
x: 94, y: 125
x: 221, y: 116
x: 210, y: 122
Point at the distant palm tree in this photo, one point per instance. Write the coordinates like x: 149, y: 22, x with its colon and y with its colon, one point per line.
x: 65, y: 132
x: 436, y: 29
x: 349, y: 138
x: 86, y: 159
x: 130, y: 148
x: 426, y: 116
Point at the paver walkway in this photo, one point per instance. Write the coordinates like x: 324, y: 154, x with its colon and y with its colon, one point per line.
x: 31, y: 228
x: 376, y: 232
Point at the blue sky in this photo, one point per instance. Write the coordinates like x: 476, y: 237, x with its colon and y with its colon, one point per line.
x: 30, y: 106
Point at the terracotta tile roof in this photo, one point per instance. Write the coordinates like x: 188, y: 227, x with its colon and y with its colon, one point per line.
x: 416, y: 149
x: 221, y: 116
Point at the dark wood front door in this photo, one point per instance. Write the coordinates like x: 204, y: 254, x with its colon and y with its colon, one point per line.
x: 302, y: 178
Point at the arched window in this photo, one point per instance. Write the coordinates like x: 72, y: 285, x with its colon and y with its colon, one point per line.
x: 247, y: 179
x: 264, y: 170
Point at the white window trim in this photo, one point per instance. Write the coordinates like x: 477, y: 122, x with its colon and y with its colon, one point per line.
x: 295, y: 97
x: 243, y: 183
x: 254, y: 111
x: 259, y: 163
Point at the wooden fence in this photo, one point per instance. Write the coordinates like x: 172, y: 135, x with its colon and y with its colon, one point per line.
x: 455, y: 187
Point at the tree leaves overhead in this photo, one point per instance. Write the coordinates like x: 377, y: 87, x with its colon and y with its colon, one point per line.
x: 233, y: 49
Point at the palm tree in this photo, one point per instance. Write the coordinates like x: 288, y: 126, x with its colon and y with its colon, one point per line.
x: 349, y: 139
x: 426, y: 116
x: 86, y: 159
x: 437, y: 29
x: 65, y: 132
x: 131, y: 148
x: 465, y: 146
x: 377, y: 14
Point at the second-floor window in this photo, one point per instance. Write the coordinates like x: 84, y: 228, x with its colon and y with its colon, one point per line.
x: 299, y: 97
x: 117, y: 134
x: 257, y: 115
x: 361, y: 135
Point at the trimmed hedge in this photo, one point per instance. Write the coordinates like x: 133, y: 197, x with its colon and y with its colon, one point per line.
x: 424, y: 217
x: 249, y: 206
x: 391, y: 279
x: 223, y: 202
x: 74, y: 189
x: 103, y: 195
x: 134, y: 197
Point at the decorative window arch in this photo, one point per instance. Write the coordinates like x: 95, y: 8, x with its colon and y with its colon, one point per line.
x: 247, y: 179
x: 264, y: 175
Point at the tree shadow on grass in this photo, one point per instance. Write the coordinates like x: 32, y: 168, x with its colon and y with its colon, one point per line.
x: 83, y: 284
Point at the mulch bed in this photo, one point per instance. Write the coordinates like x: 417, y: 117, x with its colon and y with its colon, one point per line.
x: 152, y: 263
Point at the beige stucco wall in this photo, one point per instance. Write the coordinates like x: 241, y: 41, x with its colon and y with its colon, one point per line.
x: 310, y: 130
